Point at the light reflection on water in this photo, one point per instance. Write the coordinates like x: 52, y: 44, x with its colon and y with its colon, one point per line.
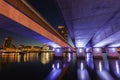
x: 104, y: 68
x: 46, y: 57
x: 57, y: 67
x: 31, y: 65
x: 82, y: 71
x: 9, y: 57
x: 115, y: 67
x: 27, y: 57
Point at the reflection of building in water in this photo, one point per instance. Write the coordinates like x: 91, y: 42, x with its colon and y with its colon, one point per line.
x: 16, y: 57
x: 63, y: 32
x: 10, y: 57
x: 46, y: 57
x: 30, y: 57
x: 7, y: 42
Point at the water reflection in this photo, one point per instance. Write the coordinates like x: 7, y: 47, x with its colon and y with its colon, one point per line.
x: 87, y: 69
x: 57, y: 68
x: 46, y: 57
x: 82, y: 71
x: 102, y: 73
x: 68, y: 56
x: 28, y: 57
x: 89, y: 60
x: 9, y: 57
x: 106, y: 64
x: 115, y: 67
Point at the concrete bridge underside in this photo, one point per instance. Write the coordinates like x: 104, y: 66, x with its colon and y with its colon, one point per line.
x: 95, y: 22
x: 24, y: 21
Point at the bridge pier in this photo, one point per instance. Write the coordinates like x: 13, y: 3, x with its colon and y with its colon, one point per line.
x: 112, y: 52
x: 97, y: 52
x: 58, y: 52
x: 80, y: 52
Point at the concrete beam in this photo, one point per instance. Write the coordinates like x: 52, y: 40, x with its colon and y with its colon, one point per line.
x: 17, y: 16
x: 107, y: 35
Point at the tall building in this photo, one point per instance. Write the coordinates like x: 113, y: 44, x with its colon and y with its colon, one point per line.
x: 7, y: 42
x: 63, y: 31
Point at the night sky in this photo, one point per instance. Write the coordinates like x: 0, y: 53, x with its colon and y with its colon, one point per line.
x: 17, y: 38
x: 48, y: 9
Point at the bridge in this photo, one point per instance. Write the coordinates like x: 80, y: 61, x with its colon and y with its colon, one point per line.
x: 91, y: 27
x: 19, y: 17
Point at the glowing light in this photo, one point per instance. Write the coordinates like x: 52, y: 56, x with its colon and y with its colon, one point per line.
x: 58, y: 65
x: 113, y: 49
x: 53, y: 49
x: 53, y: 66
x: 53, y: 44
x: 88, y: 55
x: 115, y: 45
x: 97, y: 49
x: 83, y: 76
x: 87, y: 49
x: 47, y: 55
x: 79, y: 44
x: 81, y: 65
x: 100, y: 66
x: 80, y: 50
x: 53, y: 74
x: 57, y: 49
x: 69, y: 57
x: 117, y: 67
x: 69, y: 49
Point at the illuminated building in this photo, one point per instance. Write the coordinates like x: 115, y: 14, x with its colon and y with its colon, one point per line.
x: 46, y: 47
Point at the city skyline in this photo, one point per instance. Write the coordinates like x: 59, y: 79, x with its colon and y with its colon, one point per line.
x: 18, y: 39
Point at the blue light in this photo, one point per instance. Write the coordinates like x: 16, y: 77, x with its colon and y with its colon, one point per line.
x: 87, y: 49
x: 88, y: 55
x: 53, y: 66
x: 69, y: 57
x: 117, y: 67
x: 69, y: 49
x: 97, y: 49
x: 81, y: 65
x: 100, y: 66
x: 53, y: 49
x: 113, y: 49
x: 53, y: 44
x: 80, y: 50
x: 58, y: 49
x: 58, y: 65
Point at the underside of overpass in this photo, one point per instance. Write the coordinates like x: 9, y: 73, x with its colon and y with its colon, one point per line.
x: 92, y: 22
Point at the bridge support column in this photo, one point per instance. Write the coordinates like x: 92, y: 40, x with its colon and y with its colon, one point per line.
x: 97, y: 52
x: 112, y: 53
x: 80, y: 52
x: 58, y: 52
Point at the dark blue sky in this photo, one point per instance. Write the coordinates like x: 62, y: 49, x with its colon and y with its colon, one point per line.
x: 49, y: 10
x: 17, y: 38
